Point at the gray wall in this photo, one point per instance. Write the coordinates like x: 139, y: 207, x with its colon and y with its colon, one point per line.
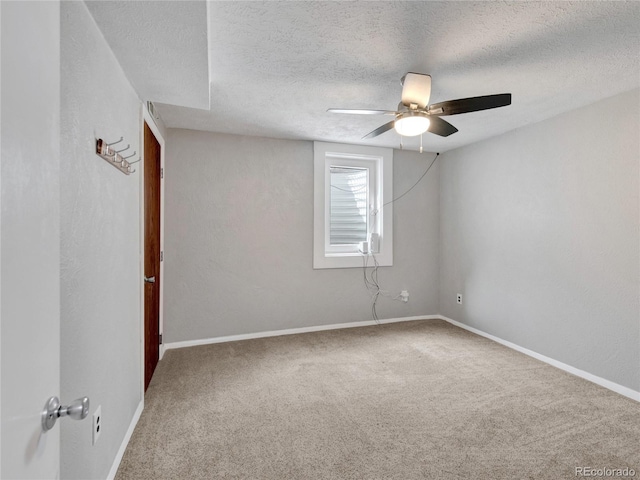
x: 239, y: 233
x: 100, y: 247
x: 539, y: 232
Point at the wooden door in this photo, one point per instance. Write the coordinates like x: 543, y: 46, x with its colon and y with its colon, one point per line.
x: 151, y: 254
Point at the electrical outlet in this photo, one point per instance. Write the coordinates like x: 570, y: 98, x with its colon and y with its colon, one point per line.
x: 404, y: 295
x: 459, y: 299
x: 97, y: 424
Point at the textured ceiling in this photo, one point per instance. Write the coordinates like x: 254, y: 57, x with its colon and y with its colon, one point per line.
x: 162, y: 47
x: 275, y: 67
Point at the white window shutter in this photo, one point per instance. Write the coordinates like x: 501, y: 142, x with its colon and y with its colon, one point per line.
x: 349, y: 205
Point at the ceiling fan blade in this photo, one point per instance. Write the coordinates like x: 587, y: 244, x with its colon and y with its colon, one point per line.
x: 361, y: 111
x: 416, y: 88
x: 472, y: 104
x: 379, y: 130
x: 440, y: 127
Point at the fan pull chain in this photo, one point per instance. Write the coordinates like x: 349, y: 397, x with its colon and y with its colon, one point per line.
x: 420, y: 143
x: 401, y: 146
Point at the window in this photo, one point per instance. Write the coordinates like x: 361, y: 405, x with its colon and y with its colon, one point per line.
x: 351, y: 185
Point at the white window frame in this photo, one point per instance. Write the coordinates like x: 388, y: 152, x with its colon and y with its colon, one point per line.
x: 380, y: 164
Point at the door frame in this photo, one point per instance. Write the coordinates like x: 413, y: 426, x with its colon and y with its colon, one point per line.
x: 148, y: 119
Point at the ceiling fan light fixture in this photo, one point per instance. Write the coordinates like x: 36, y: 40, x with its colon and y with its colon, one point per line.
x: 410, y: 124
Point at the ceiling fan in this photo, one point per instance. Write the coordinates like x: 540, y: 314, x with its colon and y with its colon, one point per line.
x: 415, y: 116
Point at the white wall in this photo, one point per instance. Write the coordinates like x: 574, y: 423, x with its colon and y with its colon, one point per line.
x: 540, y: 233
x: 100, y: 247
x: 239, y: 233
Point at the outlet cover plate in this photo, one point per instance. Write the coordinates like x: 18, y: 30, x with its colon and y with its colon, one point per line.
x: 96, y: 424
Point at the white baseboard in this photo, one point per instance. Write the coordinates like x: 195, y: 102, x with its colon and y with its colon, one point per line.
x: 622, y: 390
x: 125, y: 441
x: 292, y: 331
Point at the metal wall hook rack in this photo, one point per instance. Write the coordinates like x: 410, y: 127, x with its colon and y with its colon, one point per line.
x: 112, y: 156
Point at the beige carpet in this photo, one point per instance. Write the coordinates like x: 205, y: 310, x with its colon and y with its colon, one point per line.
x: 415, y: 400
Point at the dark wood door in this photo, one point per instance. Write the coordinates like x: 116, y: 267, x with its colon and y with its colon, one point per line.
x: 151, y: 254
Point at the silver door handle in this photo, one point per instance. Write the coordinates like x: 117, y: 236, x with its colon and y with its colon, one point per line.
x: 77, y: 410
x: 150, y: 279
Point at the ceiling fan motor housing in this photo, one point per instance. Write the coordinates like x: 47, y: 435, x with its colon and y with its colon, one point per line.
x: 416, y: 88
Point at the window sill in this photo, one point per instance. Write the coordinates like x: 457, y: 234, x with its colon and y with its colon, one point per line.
x: 349, y: 260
